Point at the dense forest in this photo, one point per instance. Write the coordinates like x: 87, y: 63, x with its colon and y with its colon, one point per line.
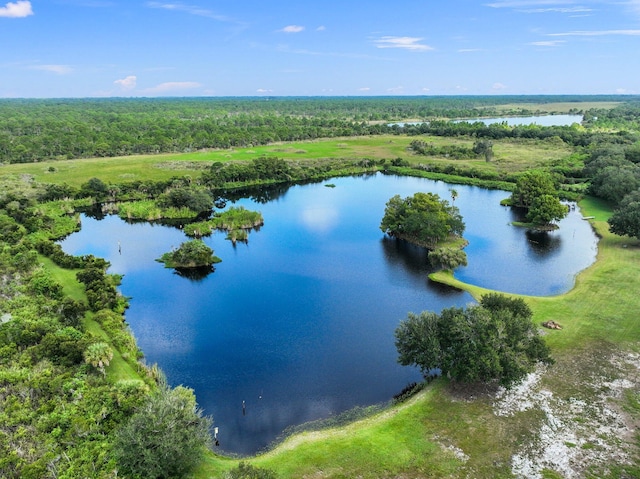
x: 61, y: 323
x: 38, y: 130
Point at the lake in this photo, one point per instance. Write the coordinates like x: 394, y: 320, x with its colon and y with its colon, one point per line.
x: 299, y: 322
x: 540, y: 120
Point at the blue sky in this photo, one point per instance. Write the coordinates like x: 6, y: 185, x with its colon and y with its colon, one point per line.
x: 103, y: 48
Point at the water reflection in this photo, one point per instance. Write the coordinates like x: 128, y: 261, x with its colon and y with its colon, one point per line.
x: 543, y: 243
x: 195, y: 274
x: 413, y: 259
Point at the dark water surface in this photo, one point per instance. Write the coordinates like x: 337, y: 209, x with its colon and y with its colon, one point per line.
x: 299, y: 322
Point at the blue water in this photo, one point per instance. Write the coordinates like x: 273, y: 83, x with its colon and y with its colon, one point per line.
x: 540, y: 120
x: 299, y: 322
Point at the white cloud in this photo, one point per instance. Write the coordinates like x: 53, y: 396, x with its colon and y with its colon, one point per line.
x: 57, y: 69
x: 173, y: 86
x: 264, y: 90
x: 406, y: 43
x: 498, y: 86
x: 634, y: 6
x: 190, y: 9
x: 292, y: 29
x: 18, y: 9
x: 558, y: 10
x: 469, y: 50
x: 596, y: 33
x: 366, y: 88
x: 527, y: 3
x: 548, y: 43
x: 321, y: 28
x: 128, y: 83
x: 396, y: 90
x: 320, y: 219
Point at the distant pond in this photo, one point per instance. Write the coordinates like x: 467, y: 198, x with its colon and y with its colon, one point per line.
x: 299, y: 322
x: 540, y: 120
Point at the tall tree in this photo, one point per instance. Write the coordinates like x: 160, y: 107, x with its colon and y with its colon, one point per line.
x: 530, y: 186
x: 626, y: 219
x: 546, y: 209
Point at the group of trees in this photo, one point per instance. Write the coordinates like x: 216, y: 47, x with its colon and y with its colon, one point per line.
x: 37, y: 130
x: 423, y: 219
x: 190, y: 254
x: 536, y: 192
x: 494, y: 341
x: 614, y: 173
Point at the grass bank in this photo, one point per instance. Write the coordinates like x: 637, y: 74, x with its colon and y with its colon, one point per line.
x: 448, y: 431
x: 510, y: 156
x: 119, y: 367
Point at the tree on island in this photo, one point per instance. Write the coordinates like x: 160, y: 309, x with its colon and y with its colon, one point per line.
x: 535, y: 191
x: 494, y: 341
x: 197, y: 199
x: 191, y: 254
x: 545, y: 210
x: 423, y: 219
x: 626, y: 219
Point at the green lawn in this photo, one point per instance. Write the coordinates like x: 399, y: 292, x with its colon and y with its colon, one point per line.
x: 510, y: 155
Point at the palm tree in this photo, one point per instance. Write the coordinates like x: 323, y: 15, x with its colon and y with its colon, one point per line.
x: 454, y: 195
x: 98, y: 355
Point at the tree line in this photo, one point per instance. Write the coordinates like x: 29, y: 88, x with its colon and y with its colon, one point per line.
x: 39, y: 130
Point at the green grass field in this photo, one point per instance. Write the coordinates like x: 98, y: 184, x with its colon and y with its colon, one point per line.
x: 510, y: 156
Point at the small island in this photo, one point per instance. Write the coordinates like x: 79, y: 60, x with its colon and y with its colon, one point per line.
x: 422, y: 219
x: 235, y: 221
x: 536, y: 192
x: 193, y: 254
x: 425, y: 220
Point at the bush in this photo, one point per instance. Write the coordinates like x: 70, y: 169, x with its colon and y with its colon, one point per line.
x: 165, y: 438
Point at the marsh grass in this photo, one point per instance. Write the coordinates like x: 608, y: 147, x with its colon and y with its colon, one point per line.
x: 236, y: 221
x: 556, y: 107
x: 148, y: 210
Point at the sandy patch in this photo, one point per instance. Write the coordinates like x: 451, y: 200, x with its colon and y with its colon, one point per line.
x: 576, y: 433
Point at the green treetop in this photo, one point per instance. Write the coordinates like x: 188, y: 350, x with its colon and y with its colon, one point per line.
x: 423, y: 219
